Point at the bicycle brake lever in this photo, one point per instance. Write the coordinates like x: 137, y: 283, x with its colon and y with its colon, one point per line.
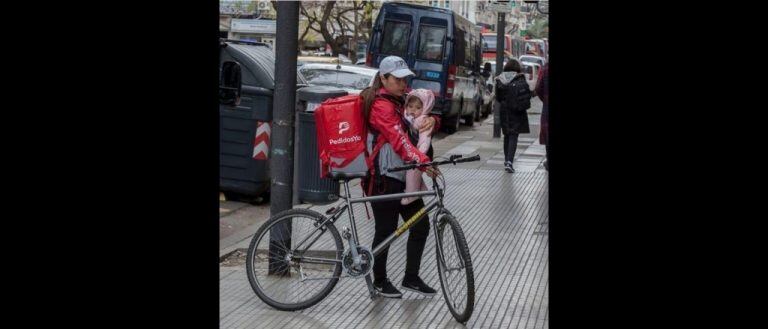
x: 453, y: 158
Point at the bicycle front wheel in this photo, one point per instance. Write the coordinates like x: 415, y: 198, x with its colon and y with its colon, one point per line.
x: 455, y: 268
x: 294, y: 259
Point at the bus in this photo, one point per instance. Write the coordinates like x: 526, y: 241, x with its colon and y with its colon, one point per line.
x: 489, y: 46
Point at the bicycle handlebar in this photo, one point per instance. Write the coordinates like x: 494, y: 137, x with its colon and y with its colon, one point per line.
x: 454, y: 159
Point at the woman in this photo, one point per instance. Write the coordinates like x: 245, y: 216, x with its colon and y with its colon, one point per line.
x: 383, y: 109
x: 542, y: 90
x: 514, y: 97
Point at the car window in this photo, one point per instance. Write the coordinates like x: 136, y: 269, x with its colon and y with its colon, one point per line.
x: 395, y: 39
x: 489, y: 43
x: 528, y: 69
x: 431, y: 41
x: 334, y: 78
x: 434, y: 86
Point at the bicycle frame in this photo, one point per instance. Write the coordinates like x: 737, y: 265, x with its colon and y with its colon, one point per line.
x: 349, y: 201
x: 435, y: 203
x: 356, y: 260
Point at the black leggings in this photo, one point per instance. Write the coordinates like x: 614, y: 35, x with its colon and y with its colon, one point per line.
x: 386, y: 215
x: 510, y: 146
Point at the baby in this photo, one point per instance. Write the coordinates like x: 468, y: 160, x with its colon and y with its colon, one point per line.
x: 417, y: 106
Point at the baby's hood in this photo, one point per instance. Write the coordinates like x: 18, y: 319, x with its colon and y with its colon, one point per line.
x: 427, y: 99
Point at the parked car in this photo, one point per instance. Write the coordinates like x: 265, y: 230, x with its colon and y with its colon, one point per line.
x: 351, y: 78
x: 533, y: 59
x: 344, y: 59
x: 441, y: 47
x: 341, y: 59
x: 531, y: 71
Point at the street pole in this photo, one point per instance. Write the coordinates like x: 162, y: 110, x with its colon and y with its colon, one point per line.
x: 500, y: 45
x: 500, y: 42
x: 283, y: 112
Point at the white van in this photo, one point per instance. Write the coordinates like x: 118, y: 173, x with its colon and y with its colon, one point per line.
x: 531, y: 71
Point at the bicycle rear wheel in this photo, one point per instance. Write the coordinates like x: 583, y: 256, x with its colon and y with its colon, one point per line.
x: 294, y: 260
x: 455, y: 268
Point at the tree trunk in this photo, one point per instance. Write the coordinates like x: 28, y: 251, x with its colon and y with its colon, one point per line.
x: 324, y: 27
x: 353, y: 49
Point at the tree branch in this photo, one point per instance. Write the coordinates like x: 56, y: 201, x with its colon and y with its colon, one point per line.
x: 341, y: 26
x: 323, y: 23
x: 303, y: 35
x: 340, y: 12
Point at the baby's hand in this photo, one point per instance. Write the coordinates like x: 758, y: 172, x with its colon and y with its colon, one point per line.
x: 432, y: 172
x: 427, y: 124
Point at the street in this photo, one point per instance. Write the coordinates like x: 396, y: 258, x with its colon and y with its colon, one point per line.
x: 505, y: 219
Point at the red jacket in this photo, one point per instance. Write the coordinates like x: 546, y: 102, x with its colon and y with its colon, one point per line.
x: 385, y: 118
x: 542, y: 84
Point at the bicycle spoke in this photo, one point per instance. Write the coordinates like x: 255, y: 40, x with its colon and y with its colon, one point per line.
x: 293, y: 261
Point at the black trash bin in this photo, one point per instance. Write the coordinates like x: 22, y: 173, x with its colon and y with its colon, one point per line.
x: 245, y: 129
x: 312, y: 188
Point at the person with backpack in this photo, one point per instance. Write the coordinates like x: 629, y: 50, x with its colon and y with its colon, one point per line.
x: 391, y: 144
x: 514, y: 98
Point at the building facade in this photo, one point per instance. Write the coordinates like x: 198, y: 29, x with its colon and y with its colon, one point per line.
x: 248, y: 21
x: 516, y: 19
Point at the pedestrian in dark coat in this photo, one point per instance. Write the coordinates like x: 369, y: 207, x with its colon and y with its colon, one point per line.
x: 514, y: 97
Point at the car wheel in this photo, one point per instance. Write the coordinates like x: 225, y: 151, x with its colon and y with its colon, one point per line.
x: 470, y: 119
x: 478, y: 109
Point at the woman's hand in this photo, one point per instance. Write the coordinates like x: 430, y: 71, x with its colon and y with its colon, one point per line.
x: 432, y: 171
x: 429, y: 122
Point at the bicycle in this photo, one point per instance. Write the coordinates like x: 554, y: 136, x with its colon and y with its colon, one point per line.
x: 294, y: 278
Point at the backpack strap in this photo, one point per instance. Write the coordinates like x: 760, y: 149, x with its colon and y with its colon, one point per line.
x: 370, y: 160
x: 373, y: 168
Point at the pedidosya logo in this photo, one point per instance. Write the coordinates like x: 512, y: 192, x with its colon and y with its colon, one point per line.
x: 344, y: 140
x: 343, y: 126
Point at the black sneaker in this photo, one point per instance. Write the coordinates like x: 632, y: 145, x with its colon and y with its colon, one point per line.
x: 418, y: 286
x: 508, y: 167
x: 386, y: 289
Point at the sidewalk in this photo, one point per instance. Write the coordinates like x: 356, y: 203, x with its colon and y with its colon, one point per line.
x: 505, y: 219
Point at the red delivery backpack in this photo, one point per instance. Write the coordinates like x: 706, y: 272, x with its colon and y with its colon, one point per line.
x: 341, y: 136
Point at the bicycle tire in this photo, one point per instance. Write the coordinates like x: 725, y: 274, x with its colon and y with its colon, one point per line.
x: 445, y: 248
x: 255, y: 269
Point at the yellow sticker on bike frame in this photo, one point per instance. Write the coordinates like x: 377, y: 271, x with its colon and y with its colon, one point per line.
x: 410, y: 221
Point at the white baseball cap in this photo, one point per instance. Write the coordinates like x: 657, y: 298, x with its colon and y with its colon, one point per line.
x: 395, y: 66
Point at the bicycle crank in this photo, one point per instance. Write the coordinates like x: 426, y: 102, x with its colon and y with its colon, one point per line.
x: 362, y: 267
